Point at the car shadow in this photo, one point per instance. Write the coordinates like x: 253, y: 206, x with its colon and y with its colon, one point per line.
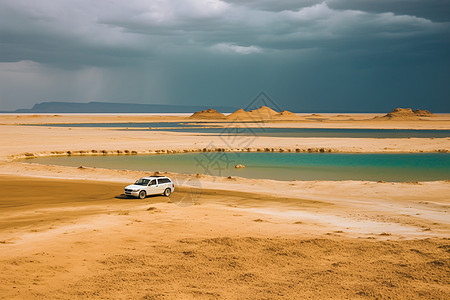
x: 123, y: 196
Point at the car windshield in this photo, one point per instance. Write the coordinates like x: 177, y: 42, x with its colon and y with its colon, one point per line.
x: 142, y: 182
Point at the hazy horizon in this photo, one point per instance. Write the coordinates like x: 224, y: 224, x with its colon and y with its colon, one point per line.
x: 308, y: 55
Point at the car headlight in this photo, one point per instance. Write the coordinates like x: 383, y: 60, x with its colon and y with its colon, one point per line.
x: 136, y: 190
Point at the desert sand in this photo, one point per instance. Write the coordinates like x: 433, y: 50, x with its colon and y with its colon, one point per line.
x: 70, y: 233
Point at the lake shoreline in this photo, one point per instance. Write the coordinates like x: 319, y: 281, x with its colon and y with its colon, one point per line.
x: 124, y: 152
x: 281, y: 166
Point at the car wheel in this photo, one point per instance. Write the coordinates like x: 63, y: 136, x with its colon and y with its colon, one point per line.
x: 167, y: 192
x: 142, y: 194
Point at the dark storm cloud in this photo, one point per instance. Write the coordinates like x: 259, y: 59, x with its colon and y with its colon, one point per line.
x: 434, y: 10
x: 106, y: 32
x: 54, y: 33
x: 238, y: 29
x: 145, y: 50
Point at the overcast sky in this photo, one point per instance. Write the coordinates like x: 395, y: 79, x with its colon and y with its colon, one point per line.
x: 308, y: 55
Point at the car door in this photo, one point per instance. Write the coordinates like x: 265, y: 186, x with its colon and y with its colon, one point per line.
x: 160, y: 186
x: 162, y: 183
x: 152, y: 188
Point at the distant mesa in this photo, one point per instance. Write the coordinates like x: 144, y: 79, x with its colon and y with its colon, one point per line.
x: 113, y: 107
x: 405, y: 114
x: 263, y: 113
x: 208, y: 114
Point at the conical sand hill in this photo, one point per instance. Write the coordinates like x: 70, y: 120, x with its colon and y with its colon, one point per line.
x: 207, y: 114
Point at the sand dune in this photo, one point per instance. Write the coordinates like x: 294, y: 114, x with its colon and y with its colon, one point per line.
x: 240, y: 114
x: 286, y: 114
x: 263, y: 113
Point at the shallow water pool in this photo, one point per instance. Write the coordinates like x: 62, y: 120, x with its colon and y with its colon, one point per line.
x: 254, y: 130
x: 278, y: 166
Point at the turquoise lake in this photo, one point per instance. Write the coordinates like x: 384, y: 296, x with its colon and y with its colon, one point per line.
x: 278, y: 166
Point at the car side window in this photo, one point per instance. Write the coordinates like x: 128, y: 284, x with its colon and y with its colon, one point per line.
x: 153, y: 182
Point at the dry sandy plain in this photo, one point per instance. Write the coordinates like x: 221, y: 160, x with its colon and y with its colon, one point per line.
x: 69, y: 233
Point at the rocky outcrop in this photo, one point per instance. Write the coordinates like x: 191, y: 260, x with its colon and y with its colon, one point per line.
x: 402, y: 113
x: 422, y: 113
x: 405, y: 114
x: 208, y: 114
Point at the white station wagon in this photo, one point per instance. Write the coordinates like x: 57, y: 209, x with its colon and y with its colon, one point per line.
x: 153, y: 185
